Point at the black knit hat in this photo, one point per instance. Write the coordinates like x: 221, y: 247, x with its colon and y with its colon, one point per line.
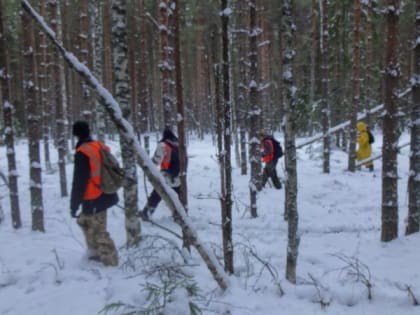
x: 168, y: 135
x: 81, y: 129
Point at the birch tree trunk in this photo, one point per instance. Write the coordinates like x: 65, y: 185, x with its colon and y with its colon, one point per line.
x: 84, y: 38
x: 255, y: 109
x: 181, y: 120
x: 96, y: 26
x: 227, y: 198
x: 165, y: 66
x: 9, y: 141
x: 290, y: 112
x: 33, y: 122
x: 389, y: 230
x: 413, y: 224
x: 122, y: 92
x: 59, y: 95
x: 355, y: 86
x: 324, y: 84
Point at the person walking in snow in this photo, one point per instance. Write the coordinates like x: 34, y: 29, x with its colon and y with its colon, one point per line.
x: 364, y: 148
x: 86, y: 192
x: 271, y: 152
x: 167, y: 156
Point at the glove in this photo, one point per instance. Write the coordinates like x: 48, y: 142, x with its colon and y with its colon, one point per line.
x: 74, y: 213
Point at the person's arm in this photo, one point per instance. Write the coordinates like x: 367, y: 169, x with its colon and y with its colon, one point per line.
x: 364, y: 138
x: 265, y: 149
x: 159, y: 153
x: 81, y: 176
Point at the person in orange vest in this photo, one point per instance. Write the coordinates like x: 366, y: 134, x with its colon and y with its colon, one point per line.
x: 271, y: 152
x: 85, y: 192
x: 167, y: 156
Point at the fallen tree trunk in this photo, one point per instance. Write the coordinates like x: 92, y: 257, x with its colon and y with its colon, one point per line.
x: 378, y: 156
x: 126, y: 130
x: 345, y: 124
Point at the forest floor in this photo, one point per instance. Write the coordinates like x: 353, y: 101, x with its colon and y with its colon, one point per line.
x: 340, y: 258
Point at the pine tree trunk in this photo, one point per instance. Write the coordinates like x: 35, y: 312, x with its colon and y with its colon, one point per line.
x: 59, y: 98
x: 143, y: 73
x: 122, y: 92
x: 255, y: 109
x: 218, y: 123
x: 290, y: 112
x: 370, y: 60
x: 9, y: 141
x: 241, y: 85
x: 413, y: 224
x: 324, y: 85
x: 355, y: 86
x: 227, y: 198
x: 33, y: 122
x: 69, y: 76
x: 313, y: 54
x: 43, y: 90
x: 389, y: 229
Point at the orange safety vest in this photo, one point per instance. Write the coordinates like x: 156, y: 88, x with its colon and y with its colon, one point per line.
x: 91, y: 150
x: 267, y: 158
x: 166, y: 162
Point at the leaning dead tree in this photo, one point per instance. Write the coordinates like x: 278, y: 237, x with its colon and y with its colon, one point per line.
x: 126, y: 130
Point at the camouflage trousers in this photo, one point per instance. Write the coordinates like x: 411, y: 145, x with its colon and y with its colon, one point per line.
x: 271, y: 172
x: 98, y: 241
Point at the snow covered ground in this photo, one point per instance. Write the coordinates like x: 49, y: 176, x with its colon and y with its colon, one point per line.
x: 339, y: 255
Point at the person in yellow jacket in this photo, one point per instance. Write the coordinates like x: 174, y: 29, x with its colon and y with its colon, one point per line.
x: 364, y: 148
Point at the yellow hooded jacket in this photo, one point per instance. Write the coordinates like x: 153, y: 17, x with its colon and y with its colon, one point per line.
x: 364, y: 148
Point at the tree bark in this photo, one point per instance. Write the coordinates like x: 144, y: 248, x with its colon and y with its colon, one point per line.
x: 8, y: 126
x: 122, y: 92
x: 165, y: 65
x: 97, y: 35
x: 255, y: 108
x: 84, y: 39
x: 413, y: 224
x: 324, y: 85
x: 43, y: 91
x: 389, y: 230
x: 181, y: 120
x: 33, y: 122
x: 290, y: 111
x: 355, y: 86
x: 59, y: 93
x: 227, y: 197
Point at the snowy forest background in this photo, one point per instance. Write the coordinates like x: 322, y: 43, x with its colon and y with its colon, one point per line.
x: 217, y: 72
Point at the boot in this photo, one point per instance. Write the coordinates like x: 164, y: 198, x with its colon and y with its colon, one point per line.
x: 145, y: 213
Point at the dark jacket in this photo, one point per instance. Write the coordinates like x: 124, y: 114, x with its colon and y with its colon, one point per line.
x: 80, y: 179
